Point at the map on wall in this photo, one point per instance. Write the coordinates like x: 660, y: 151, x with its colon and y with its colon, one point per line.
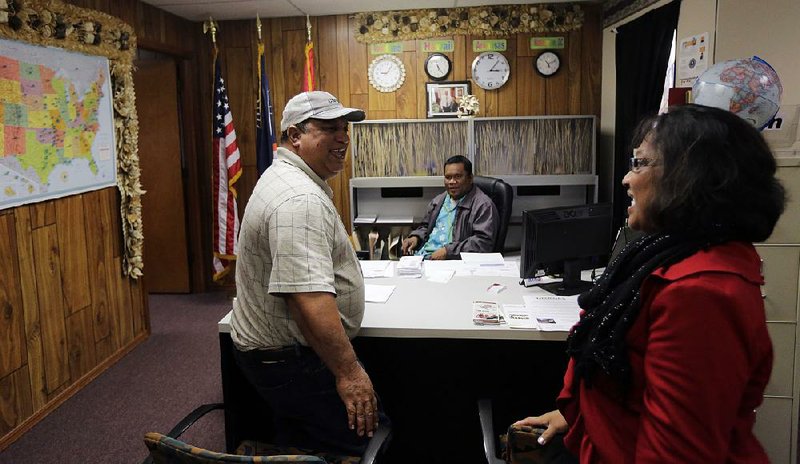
x: 56, y: 124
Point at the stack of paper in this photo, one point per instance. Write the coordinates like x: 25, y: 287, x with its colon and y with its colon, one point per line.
x: 377, y: 293
x: 487, y: 313
x: 409, y: 266
x: 373, y: 269
x: 482, y: 259
x: 553, y: 313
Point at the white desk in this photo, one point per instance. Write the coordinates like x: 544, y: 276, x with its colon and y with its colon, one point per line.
x: 424, y: 354
x: 419, y: 308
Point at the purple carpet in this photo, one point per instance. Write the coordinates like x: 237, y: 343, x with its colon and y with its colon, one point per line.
x: 151, y: 389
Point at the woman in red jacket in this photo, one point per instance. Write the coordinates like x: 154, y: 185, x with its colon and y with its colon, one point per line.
x: 671, y: 356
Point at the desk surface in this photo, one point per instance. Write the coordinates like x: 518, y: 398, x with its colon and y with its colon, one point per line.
x: 419, y: 308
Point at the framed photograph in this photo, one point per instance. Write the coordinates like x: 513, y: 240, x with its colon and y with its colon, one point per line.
x: 442, y: 98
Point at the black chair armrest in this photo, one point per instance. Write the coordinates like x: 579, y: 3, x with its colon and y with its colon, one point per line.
x: 376, y: 444
x: 489, y: 446
x: 192, y: 417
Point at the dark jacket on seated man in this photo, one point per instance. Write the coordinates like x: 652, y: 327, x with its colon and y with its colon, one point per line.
x: 475, y: 225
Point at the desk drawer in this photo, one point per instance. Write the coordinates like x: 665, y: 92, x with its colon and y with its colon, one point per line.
x: 781, y: 267
x: 781, y: 382
x: 787, y: 230
x: 774, y: 428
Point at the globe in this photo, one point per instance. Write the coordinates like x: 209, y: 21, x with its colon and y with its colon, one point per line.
x: 748, y: 87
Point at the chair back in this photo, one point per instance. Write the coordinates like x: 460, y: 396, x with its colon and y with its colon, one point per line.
x: 502, y: 196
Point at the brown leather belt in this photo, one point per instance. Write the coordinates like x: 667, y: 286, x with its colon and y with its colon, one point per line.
x: 277, y: 354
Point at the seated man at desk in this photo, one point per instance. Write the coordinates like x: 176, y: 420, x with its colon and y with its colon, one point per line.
x: 462, y: 218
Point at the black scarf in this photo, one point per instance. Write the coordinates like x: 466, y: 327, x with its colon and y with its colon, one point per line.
x: 612, y: 304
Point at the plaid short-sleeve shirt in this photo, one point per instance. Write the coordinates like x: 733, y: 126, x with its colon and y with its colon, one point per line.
x: 291, y: 240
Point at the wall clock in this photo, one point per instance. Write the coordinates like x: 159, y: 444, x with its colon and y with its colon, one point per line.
x: 437, y: 66
x: 490, y: 70
x: 547, y: 63
x: 387, y: 73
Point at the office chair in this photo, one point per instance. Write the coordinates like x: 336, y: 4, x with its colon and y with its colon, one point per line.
x: 502, y: 196
x: 167, y: 449
x: 519, y: 445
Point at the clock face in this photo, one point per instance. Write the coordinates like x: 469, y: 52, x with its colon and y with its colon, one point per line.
x: 490, y: 70
x: 437, y: 66
x: 387, y: 73
x: 547, y: 63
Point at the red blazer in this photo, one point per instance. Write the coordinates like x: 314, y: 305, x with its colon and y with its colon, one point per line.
x: 700, y: 356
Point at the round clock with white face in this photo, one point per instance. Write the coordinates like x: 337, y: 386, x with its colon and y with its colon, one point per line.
x: 437, y: 66
x: 490, y: 70
x: 547, y: 63
x: 387, y: 73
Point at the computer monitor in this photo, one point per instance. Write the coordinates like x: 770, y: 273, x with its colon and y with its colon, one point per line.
x: 565, y: 240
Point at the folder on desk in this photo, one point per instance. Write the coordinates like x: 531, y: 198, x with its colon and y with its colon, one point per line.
x: 365, y: 219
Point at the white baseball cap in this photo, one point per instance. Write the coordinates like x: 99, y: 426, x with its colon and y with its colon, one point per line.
x: 317, y: 105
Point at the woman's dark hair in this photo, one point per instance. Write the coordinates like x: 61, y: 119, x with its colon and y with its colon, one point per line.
x: 462, y: 160
x: 718, y: 175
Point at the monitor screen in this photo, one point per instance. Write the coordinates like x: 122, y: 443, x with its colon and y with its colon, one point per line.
x: 565, y: 240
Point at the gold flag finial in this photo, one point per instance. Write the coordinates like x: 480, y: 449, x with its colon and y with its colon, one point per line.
x: 211, y: 25
x: 308, y: 28
x: 258, y: 27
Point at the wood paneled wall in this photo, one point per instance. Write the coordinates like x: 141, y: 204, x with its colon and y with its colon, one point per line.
x: 342, y: 65
x: 66, y: 310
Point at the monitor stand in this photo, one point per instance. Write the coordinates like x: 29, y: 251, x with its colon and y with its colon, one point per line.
x: 571, y: 284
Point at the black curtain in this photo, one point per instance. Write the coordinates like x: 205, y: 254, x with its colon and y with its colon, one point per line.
x: 643, y: 47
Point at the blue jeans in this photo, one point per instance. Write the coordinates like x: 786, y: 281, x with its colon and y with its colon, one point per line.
x: 307, y: 410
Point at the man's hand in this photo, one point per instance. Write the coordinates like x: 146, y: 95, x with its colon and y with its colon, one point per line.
x: 410, y: 245
x: 356, y: 391
x: 317, y: 317
x: 553, y: 420
x: 439, y: 254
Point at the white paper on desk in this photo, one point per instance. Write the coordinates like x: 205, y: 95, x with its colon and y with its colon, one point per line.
x: 377, y: 293
x: 376, y: 269
x: 483, y: 259
x: 553, y: 312
x: 508, y: 269
x: 446, y: 265
x: 519, y: 317
x: 442, y: 276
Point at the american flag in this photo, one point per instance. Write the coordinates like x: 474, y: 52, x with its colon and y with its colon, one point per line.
x: 227, y: 169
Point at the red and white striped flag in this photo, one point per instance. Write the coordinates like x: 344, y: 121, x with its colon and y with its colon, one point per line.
x: 227, y: 170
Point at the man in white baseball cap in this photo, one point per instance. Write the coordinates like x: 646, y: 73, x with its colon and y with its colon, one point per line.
x: 317, y: 105
x: 300, y: 292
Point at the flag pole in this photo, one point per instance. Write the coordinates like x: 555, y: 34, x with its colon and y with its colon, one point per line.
x: 210, y: 25
x: 226, y: 169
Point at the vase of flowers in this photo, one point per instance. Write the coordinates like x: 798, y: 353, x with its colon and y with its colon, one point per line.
x: 468, y: 106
